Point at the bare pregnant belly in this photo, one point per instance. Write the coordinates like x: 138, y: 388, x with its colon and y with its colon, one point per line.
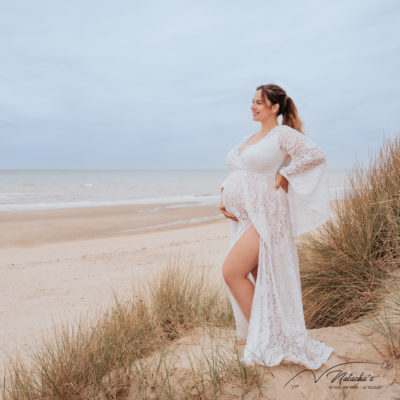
x: 232, y: 196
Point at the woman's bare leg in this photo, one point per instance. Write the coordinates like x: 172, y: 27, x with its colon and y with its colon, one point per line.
x: 254, y: 273
x: 241, y: 260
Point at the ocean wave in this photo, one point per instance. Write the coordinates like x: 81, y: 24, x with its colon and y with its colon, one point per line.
x: 92, y: 203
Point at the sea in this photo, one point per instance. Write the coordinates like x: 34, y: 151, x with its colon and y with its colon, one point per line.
x: 36, y: 189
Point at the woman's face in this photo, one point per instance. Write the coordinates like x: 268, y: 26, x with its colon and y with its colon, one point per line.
x: 261, y: 110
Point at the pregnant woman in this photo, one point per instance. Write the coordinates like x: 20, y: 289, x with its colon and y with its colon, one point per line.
x: 276, y: 188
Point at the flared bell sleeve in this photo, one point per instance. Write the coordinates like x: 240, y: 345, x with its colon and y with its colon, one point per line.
x: 307, y: 173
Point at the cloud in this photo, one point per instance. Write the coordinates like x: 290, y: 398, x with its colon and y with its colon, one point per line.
x: 116, y: 80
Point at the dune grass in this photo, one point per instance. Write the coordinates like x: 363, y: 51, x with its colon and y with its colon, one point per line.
x: 77, y: 360
x: 345, y: 262
x: 214, y: 371
x: 387, y: 323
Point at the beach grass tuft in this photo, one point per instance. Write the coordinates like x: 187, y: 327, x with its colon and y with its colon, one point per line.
x: 346, y: 261
x: 95, y: 357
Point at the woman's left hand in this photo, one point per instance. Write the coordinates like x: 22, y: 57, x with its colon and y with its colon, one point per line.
x: 281, y: 181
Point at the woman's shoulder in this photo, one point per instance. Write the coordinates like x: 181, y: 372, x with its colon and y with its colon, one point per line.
x: 290, y: 137
x: 287, y: 130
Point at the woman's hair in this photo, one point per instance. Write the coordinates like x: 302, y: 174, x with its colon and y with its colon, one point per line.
x: 287, y: 108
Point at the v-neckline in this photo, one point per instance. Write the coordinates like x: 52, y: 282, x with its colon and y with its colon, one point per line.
x: 253, y: 144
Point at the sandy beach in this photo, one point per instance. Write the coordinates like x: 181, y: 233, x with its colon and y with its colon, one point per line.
x: 57, y: 264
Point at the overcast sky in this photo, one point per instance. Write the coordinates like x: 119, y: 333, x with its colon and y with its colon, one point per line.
x: 169, y: 84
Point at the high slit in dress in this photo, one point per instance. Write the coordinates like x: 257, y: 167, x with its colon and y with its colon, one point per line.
x: 276, y: 330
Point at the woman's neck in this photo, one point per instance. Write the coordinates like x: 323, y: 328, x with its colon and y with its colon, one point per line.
x: 267, y: 126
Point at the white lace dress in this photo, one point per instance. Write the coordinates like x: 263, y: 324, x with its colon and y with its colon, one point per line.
x: 276, y: 330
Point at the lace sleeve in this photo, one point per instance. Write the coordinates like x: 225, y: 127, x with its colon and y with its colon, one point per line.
x: 307, y: 174
x: 304, y: 153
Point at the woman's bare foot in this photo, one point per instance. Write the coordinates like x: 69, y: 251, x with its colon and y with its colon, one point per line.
x: 240, y: 341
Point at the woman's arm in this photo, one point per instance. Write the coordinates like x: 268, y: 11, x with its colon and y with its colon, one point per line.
x: 222, y: 207
x: 304, y: 153
x: 307, y: 174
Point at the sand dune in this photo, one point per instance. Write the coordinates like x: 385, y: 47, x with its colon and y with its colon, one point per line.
x: 56, y: 265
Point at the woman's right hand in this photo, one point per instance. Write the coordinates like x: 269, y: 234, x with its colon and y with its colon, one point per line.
x: 222, y: 208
